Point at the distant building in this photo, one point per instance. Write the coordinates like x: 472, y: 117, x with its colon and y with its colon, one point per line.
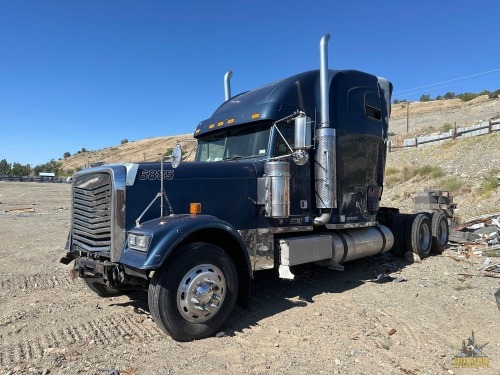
x: 47, y: 176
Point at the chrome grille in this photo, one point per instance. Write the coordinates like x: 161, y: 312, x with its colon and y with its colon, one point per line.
x: 92, y: 212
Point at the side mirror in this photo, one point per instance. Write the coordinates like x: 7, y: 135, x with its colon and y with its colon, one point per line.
x: 176, y: 156
x: 302, y: 132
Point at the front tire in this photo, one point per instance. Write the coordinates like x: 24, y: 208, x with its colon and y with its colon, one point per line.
x: 192, y: 296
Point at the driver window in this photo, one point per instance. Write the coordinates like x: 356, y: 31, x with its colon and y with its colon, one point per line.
x: 287, y: 131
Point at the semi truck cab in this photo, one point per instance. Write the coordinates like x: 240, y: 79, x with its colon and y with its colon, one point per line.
x: 285, y: 174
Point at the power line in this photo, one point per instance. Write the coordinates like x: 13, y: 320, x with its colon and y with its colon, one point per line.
x: 451, y: 84
x: 447, y: 81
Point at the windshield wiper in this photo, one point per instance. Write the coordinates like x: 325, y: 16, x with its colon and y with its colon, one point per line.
x: 233, y: 157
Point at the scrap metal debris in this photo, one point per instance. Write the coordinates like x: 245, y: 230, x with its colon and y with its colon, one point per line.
x: 21, y: 210
x: 384, y: 278
x: 489, y: 266
x: 484, y: 230
x: 477, y: 237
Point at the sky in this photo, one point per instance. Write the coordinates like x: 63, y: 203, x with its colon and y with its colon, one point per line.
x: 87, y: 74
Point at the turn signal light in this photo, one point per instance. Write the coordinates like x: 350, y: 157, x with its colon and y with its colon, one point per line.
x: 194, y: 208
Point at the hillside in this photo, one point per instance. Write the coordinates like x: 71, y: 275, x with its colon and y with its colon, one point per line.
x: 149, y: 149
x: 462, y: 166
x: 429, y: 117
x: 465, y: 167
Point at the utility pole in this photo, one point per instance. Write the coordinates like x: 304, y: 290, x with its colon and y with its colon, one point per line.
x: 407, y: 117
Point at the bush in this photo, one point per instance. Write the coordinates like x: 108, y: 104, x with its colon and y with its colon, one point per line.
x: 494, y: 94
x: 425, y: 171
x: 392, y: 181
x: 124, y: 141
x: 425, y: 98
x: 490, y: 183
x: 452, y: 184
x: 446, y: 127
x: 449, y: 95
x: 466, y: 96
x: 389, y: 171
x: 66, y: 155
x: 430, y: 171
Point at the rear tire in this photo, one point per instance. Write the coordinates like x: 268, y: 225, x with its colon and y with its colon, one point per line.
x: 418, y: 236
x: 440, y: 232
x: 98, y: 286
x: 193, y: 295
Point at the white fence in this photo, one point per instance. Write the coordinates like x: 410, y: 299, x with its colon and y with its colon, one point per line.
x: 485, y: 127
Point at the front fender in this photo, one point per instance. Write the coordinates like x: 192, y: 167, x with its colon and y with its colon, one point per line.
x: 164, y: 238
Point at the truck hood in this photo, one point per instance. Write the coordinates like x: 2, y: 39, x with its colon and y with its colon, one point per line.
x: 227, y: 190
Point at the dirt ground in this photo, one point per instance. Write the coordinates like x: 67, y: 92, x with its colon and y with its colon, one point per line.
x: 324, y: 322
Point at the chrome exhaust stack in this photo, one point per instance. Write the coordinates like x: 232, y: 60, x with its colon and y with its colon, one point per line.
x: 227, y: 85
x: 325, y: 161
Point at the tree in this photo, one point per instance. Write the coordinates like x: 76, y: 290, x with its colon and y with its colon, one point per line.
x: 439, y: 97
x: 50, y: 167
x: 395, y: 101
x: 124, y: 141
x: 466, y: 96
x: 5, y: 168
x: 449, y: 95
x: 66, y: 155
x: 20, y: 170
x: 425, y: 98
x: 84, y: 149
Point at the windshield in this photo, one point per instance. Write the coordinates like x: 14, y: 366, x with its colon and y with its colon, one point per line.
x: 234, y: 144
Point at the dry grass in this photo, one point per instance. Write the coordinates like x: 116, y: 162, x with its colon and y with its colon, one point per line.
x: 490, y: 183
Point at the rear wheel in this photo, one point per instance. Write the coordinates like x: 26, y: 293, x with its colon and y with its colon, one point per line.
x: 193, y: 295
x: 440, y: 232
x: 418, y: 236
x: 98, y: 286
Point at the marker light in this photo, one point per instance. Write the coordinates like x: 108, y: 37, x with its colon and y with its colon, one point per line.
x: 194, y: 208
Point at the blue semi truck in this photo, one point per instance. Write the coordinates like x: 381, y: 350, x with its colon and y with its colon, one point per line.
x: 286, y: 174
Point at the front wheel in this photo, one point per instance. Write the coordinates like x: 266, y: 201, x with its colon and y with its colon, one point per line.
x: 192, y: 296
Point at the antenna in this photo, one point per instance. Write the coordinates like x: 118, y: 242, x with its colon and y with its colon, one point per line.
x: 175, y: 159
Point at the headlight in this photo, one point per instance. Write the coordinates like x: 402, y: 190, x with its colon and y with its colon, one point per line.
x: 138, y: 241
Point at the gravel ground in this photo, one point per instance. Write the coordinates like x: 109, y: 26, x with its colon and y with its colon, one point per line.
x: 324, y: 322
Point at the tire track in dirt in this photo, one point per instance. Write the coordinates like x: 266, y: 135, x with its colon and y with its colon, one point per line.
x: 113, y: 330
x: 37, y: 282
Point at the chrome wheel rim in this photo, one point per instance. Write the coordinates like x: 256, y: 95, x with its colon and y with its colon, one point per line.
x: 425, y: 237
x: 201, y: 293
x: 442, y: 232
